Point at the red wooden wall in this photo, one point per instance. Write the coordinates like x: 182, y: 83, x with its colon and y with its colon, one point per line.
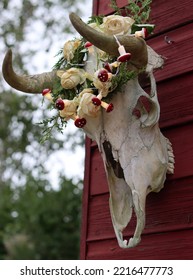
x: 169, y: 227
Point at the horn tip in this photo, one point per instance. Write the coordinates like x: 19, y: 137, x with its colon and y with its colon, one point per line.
x: 74, y: 18
x: 8, y: 54
x: 7, y: 61
x: 72, y: 15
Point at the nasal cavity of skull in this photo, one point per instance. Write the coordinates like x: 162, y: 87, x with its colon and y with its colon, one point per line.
x: 118, y: 171
x: 143, y: 107
x: 144, y: 81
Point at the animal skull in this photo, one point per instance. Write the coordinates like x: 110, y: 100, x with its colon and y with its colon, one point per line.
x: 136, y: 155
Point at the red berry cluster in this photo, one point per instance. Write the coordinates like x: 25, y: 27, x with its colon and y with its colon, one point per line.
x: 103, y: 75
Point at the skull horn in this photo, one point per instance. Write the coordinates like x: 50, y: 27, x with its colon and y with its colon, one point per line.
x: 26, y: 83
x: 136, y: 46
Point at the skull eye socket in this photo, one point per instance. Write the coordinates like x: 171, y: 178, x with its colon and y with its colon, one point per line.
x: 144, y: 81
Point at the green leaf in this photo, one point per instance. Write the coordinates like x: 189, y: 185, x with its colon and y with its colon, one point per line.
x: 138, y: 27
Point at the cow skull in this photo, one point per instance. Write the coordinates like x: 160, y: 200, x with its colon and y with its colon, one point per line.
x: 135, y: 153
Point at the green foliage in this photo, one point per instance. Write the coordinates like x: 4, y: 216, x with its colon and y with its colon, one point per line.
x: 115, y: 7
x: 124, y: 76
x: 76, y: 61
x: 53, y: 123
x: 139, y: 10
x: 96, y: 19
x: 38, y: 222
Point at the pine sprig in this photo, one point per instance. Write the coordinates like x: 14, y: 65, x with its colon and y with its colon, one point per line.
x: 96, y: 19
x: 55, y: 122
x: 139, y: 10
x: 61, y: 61
x: 115, y: 7
x: 123, y: 76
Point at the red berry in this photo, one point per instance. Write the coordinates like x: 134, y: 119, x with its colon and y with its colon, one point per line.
x: 45, y: 91
x: 80, y: 122
x: 87, y: 44
x: 107, y: 66
x: 124, y: 58
x: 145, y: 32
x: 110, y: 108
x: 96, y: 101
x: 60, y: 104
x: 103, y: 75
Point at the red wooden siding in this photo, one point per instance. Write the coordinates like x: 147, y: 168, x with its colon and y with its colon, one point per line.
x: 169, y: 214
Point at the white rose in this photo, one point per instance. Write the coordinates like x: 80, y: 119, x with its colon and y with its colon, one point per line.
x: 69, y: 110
x: 117, y: 25
x: 86, y: 106
x: 69, y: 49
x: 72, y: 77
x: 103, y: 87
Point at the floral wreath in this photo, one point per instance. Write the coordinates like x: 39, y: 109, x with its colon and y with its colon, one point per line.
x: 76, y: 93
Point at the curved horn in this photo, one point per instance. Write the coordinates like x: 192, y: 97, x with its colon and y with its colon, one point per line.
x: 26, y: 83
x: 136, y: 46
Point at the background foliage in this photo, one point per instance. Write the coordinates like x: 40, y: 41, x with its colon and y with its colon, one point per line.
x: 39, y: 219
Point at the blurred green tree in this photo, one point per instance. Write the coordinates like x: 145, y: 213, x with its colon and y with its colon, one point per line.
x: 38, y: 222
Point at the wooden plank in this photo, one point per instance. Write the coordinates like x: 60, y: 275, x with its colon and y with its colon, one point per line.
x: 177, y: 245
x: 167, y: 15
x: 182, y: 140
x: 176, y: 99
x: 98, y: 182
x: 169, y: 210
x: 178, y: 55
x: 85, y: 199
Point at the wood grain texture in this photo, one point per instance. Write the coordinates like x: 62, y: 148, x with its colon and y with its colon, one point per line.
x: 85, y: 199
x: 178, y: 55
x: 176, y: 245
x: 167, y: 15
x: 176, y: 99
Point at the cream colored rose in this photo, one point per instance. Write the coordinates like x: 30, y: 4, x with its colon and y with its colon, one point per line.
x: 72, y: 77
x: 86, y: 106
x: 117, y: 25
x: 70, y: 48
x: 69, y: 110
